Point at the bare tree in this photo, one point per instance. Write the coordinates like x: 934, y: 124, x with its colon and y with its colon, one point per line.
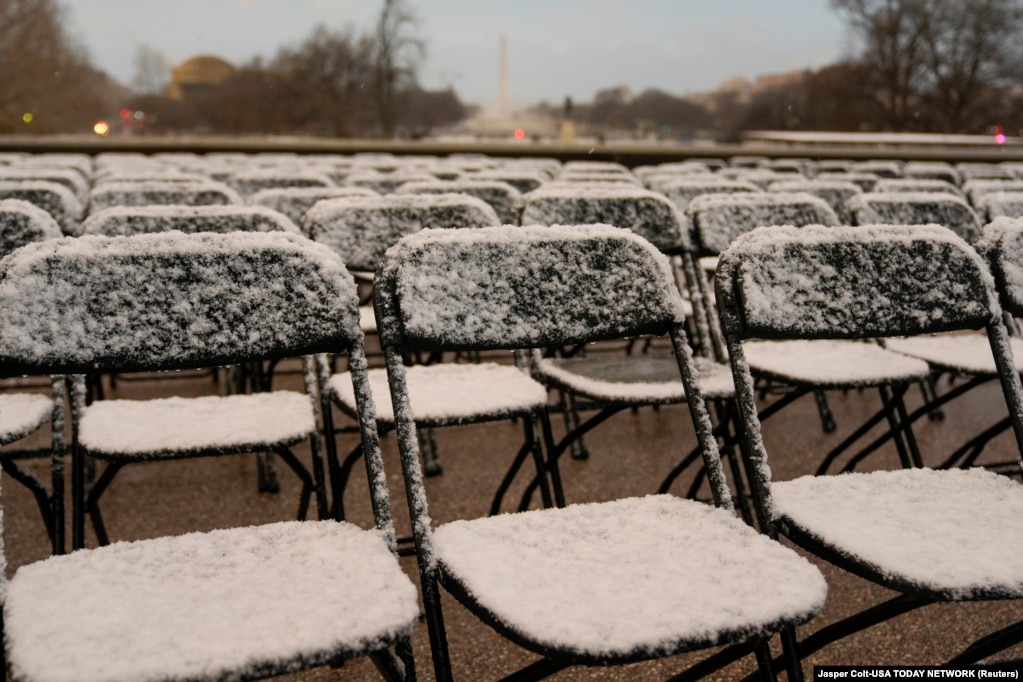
x: 398, y: 53
x: 151, y: 71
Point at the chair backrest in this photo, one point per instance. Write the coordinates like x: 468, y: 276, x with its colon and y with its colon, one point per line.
x: 166, y: 301
x: 295, y: 201
x: 834, y: 192
x: 915, y: 208
x: 210, y: 192
x: 23, y: 223
x: 852, y: 282
x: 717, y: 219
x: 72, y: 179
x: 501, y: 196
x: 994, y: 205
x: 975, y: 189
x: 1002, y: 244
x: 361, y: 229
x: 682, y: 190
x: 132, y: 220
x: 251, y: 181
x: 55, y: 199
x: 917, y: 185
x: 648, y: 214
x: 523, y: 287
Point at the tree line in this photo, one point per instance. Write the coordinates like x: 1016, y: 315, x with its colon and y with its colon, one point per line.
x: 948, y: 66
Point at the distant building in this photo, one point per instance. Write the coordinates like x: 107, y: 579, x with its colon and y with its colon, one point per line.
x: 198, y: 74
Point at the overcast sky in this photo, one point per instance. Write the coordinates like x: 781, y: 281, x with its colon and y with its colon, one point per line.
x: 555, y: 48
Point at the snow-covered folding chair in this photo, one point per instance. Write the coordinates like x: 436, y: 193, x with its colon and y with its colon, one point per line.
x: 501, y: 196
x: 809, y: 367
x: 248, y: 182
x: 21, y: 413
x: 588, y: 584
x: 834, y: 192
x: 295, y: 201
x: 108, y: 194
x: 171, y: 301
x: 242, y: 603
x: 1000, y: 205
x: 682, y: 190
x: 611, y: 382
x: 54, y: 198
x: 444, y: 394
x: 126, y: 221
x: 929, y: 535
x: 916, y: 208
x: 976, y: 189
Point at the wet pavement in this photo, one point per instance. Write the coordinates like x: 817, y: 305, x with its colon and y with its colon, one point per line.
x: 629, y: 455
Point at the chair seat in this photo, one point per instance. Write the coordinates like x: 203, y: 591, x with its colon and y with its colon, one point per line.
x: 966, y: 353
x: 832, y: 364
x: 367, y: 319
x: 21, y: 414
x: 177, y: 427
x: 625, y: 580
x: 952, y: 534
x: 647, y: 380
x: 207, y: 605
x: 448, y: 393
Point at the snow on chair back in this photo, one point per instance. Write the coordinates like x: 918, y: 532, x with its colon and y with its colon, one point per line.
x: 523, y: 287
x: 361, y: 229
x: 1002, y: 244
x: 107, y: 194
x: 718, y: 219
x: 648, y: 214
x: 57, y: 200
x: 22, y: 223
x: 916, y: 208
x: 133, y: 220
x: 295, y: 201
x: 161, y: 301
x: 501, y: 196
x: 852, y: 282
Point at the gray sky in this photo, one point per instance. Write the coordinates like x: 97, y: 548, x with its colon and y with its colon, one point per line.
x: 555, y: 48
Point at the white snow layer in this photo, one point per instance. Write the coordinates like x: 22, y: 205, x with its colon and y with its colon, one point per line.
x: 628, y: 379
x: 832, y: 363
x: 21, y: 414
x: 22, y: 222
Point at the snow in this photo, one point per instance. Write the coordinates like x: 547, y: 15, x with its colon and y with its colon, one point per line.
x: 501, y: 196
x: 109, y: 194
x: 957, y: 532
x: 632, y: 380
x: 55, y: 199
x: 295, y: 201
x: 509, y: 287
x: 629, y: 578
x: 916, y: 208
x: 362, y: 228
x: 832, y: 363
x: 22, y: 222
x: 449, y: 393
x: 134, y: 220
x: 21, y: 414
x: 172, y: 300
x: 218, y: 605
x: 154, y: 429
x: 720, y: 218
x: 995, y: 205
x: 965, y: 353
x: 857, y: 282
x: 646, y: 213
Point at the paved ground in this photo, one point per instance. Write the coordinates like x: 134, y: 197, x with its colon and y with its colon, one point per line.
x: 629, y: 456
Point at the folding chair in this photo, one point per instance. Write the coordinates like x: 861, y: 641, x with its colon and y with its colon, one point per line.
x: 295, y: 201
x: 916, y: 208
x: 996, y: 205
x: 133, y: 220
x: 444, y: 394
x: 157, y: 302
x: 22, y: 414
x: 55, y: 199
x: 240, y: 603
x: 834, y: 192
x: 501, y: 196
x: 109, y: 194
x: 930, y: 535
x: 594, y: 584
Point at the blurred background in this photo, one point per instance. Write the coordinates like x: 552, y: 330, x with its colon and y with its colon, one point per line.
x: 663, y: 71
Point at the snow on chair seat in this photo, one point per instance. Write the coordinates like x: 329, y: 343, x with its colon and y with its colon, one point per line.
x: 961, y: 353
x: 955, y: 534
x: 134, y: 220
x: 836, y: 363
x: 21, y: 414
x: 448, y: 394
x: 626, y: 580
x: 587, y: 584
x: 198, y: 606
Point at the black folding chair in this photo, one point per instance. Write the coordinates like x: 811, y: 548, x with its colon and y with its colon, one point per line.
x: 929, y: 535
x: 239, y: 603
x: 593, y: 584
